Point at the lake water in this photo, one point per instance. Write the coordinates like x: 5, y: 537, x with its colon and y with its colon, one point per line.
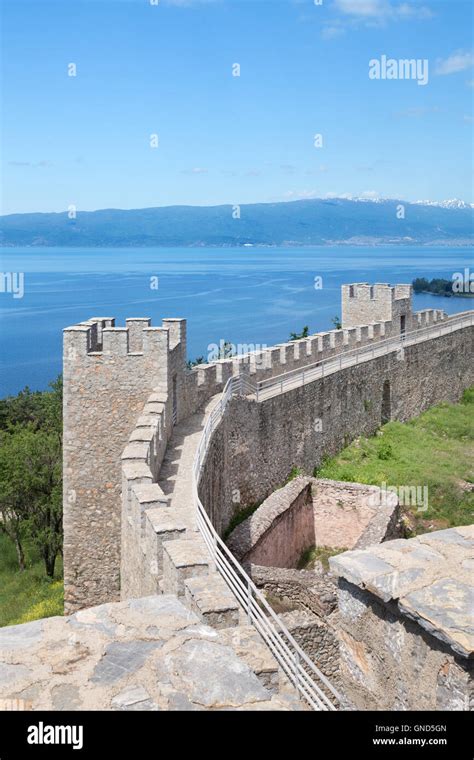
x: 241, y: 295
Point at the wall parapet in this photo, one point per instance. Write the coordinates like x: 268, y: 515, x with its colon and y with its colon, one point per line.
x: 413, y: 598
x: 256, y: 540
x: 142, y: 497
x: 423, y: 576
x: 308, y: 512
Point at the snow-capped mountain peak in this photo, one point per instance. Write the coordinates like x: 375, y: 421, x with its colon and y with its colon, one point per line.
x: 453, y: 203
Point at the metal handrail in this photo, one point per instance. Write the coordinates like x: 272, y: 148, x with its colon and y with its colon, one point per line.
x: 311, y: 684
x: 354, y: 355
x: 299, y: 668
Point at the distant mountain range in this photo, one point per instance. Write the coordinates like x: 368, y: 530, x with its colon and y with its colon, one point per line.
x: 353, y: 221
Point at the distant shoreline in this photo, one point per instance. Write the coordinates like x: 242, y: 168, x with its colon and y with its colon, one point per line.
x: 259, y: 246
x: 438, y: 286
x: 445, y: 295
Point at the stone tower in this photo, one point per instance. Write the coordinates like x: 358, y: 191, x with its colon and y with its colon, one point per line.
x: 363, y: 303
x: 109, y: 372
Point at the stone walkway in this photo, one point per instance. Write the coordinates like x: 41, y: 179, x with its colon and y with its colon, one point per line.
x: 296, y: 378
x: 175, y: 478
x: 142, y: 654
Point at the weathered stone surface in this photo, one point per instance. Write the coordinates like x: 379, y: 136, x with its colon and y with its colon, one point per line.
x: 122, y: 658
x: 166, y: 610
x: 314, y: 512
x: 445, y: 609
x: 108, y: 375
x: 213, y: 676
x: 133, y: 698
x: 150, y: 653
x: 16, y: 637
x: 314, y: 590
x: 407, y: 634
x: 94, y: 617
x: 66, y: 697
x: 248, y: 645
x: 280, y: 529
x: 360, y: 567
x: 426, y: 576
x: 183, y: 558
x: 9, y: 674
x: 211, y: 599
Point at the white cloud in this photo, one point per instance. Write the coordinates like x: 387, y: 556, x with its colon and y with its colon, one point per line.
x: 363, y: 7
x: 469, y: 119
x: 186, y: 3
x: 381, y: 10
x: 300, y: 194
x: 195, y: 170
x: 366, y: 195
x: 458, y: 61
x: 405, y: 10
x: 44, y: 164
x: 330, y: 32
x: 417, y: 112
x: 321, y: 168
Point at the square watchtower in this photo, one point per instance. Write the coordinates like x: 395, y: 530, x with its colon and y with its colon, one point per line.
x: 363, y: 304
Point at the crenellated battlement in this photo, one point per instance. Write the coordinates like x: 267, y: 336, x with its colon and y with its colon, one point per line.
x: 363, y: 303
x: 125, y: 389
x: 100, y: 335
x: 381, y: 291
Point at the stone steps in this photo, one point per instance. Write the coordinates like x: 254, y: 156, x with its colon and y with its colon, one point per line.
x: 247, y: 644
x: 163, y: 525
x: 188, y: 572
x: 209, y: 597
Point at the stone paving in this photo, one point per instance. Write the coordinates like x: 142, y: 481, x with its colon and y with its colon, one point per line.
x: 176, y: 469
x: 143, y: 654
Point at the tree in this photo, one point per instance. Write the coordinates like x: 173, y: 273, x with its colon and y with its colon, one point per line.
x: 195, y: 362
x: 30, y: 471
x: 420, y: 285
x: 303, y: 334
x: 38, y: 408
x: 226, y: 350
x: 14, y: 498
x: 43, y: 468
x: 337, y: 323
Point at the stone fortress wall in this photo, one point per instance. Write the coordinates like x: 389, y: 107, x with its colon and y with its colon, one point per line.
x: 138, y: 380
x: 309, y: 512
x: 259, y: 443
x: 125, y: 388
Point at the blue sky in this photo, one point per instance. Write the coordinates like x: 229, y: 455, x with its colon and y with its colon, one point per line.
x: 166, y: 69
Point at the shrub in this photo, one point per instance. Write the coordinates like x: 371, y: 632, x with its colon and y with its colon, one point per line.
x: 385, y: 451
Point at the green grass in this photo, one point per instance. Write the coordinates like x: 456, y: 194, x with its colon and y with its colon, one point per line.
x: 238, y: 518
x: 317, y: 554
x: 435, y: 450
x: 29, y: 595
x: 295, y: 472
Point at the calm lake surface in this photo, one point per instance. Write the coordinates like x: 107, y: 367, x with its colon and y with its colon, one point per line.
x: 241, y: 295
